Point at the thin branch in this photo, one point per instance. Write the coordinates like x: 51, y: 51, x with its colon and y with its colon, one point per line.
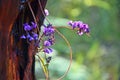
x: 70, y: 54
x: 43, y: 11
x: 33, y: 15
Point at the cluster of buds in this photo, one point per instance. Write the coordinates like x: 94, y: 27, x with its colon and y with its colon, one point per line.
x: 80, y: 27
x: 30, y: 34
x: 48, y: 32
x: 46, y: 39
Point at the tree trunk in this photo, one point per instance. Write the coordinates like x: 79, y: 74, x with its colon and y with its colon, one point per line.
x: 16, y: 56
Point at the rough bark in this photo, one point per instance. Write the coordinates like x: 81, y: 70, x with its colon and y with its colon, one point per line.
x: 16, y: 55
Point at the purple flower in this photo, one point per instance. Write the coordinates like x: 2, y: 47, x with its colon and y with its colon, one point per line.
x: 46, y: 12
x: 86, y: 28
x: 23, y: 37
x: 27, y: 27
x: 47, y: 43
x: 48, y: 50
x: 48, y: 30
x: 75, y: 24
x: 79, y: 24
x: 34, y: 25
x: 52, y: 40
x: 35, y: 36
x: 29, y: 37
x: 70, y: 23
x: 81, y: 27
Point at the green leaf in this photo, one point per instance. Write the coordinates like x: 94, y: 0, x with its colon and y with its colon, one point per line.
x: 57, y: 21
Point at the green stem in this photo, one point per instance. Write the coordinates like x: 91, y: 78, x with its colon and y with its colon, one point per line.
x: 45, y: 70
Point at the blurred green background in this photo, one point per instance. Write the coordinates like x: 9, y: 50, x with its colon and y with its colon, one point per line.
x: 95, y: 57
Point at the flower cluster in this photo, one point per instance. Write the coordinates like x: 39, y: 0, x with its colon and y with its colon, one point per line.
x: 30, y: 34
x: 45, y: 41
x: 47, y: 37
x: 79, y: 26
x: 48, y: 32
